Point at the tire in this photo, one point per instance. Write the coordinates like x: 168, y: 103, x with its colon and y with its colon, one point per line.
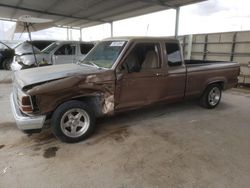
x: 211, y: 96
x: 73, y: 121
x: 7, y: 64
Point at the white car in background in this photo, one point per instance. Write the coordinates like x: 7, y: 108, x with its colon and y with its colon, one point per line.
x: 60, y: 52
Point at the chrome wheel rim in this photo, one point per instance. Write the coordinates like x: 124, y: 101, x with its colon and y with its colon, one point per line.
x: 214, y: 96
x: 75, y: 122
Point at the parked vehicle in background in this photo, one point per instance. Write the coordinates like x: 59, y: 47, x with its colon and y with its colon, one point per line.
x: 25, y: 48
x: 41, y: 44
x: 117, y: 75
x: 60, y: 52
x: 10, y: 48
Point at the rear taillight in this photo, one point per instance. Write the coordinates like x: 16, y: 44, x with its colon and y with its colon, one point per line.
x: 27, y: 109
x: 24, y: 101
x: 26, y: 104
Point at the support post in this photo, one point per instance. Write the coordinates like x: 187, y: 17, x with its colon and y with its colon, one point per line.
x: 189, y: 48
x: 177, y: 16
x: 233, y: 47
x: 80, y: 34
x: 111, y: 29
x: 67, y: 33
x: 205, y: 52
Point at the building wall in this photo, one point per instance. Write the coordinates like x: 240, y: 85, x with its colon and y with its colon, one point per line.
x: 231, y: 46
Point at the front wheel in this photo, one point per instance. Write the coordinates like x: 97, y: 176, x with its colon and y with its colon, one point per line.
x: 211, y: 97
x: 73, y: 121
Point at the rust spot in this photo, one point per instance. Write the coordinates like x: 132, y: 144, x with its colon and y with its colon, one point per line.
x: 50, y: 152
x: 1, y: 146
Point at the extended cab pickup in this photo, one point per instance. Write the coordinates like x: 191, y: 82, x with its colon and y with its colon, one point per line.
x: 119, y: 74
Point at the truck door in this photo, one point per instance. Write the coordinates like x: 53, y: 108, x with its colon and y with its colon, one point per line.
x: 141, y: 78
x: 64, y: 54
x: 176, y: 78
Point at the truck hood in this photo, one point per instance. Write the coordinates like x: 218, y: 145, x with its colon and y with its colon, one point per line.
x: 42, y: 74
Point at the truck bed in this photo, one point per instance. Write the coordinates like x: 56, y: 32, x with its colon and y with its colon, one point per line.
x: 201, y: 73
x: 195, y: 62
x: 195, y: 65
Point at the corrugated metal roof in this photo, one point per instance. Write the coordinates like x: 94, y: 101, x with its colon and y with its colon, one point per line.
x: 85, y: 13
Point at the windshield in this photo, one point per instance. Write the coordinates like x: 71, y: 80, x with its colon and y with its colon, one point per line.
x: 50, y: 48
x: 104, y: 54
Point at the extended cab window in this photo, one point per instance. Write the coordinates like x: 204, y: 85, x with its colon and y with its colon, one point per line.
x: 143, y: 56
x: 85, y: 48
x: 173, y: 54
x: 66, y: 49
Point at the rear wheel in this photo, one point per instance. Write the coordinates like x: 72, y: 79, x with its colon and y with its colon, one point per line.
x: 211, y: 97
x: 73, y: 121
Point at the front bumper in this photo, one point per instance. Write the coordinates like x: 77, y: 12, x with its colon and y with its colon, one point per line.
x: 25, y: 122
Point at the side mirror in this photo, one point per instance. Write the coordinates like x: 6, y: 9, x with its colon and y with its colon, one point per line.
x: 122, y: 69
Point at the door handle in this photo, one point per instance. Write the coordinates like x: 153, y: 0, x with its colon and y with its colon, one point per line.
x: 158, y: 74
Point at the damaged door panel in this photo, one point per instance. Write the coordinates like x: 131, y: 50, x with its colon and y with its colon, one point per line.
x: 119, y: 74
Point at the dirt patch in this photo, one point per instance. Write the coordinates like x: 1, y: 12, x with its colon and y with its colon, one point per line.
x: 2, y: 146
x: 35, y: 141
x: 36, y: 149
x: 42, y: 137
x: 50, y: 152
x: 41, y: 140
x: 164, y: 135
x: 5, y: 126
x: 118, y: 135
x: 7, y: 81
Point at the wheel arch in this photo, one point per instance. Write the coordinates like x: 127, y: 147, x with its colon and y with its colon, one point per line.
x: 94, y: 101
x: 220, y: 82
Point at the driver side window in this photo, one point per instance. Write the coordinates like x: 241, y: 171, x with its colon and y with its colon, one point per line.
x: 66, y: 49
x: 144, y: 56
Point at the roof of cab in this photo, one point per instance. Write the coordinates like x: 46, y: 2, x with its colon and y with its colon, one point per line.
x: 72, y: 41
x: 135, y: 38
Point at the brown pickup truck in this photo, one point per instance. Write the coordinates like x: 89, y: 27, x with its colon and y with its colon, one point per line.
x: 119, y: 74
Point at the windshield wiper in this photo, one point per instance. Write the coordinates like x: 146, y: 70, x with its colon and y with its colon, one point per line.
x: 91, y: 63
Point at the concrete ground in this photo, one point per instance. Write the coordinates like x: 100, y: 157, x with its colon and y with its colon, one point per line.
x: 177, y: 145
